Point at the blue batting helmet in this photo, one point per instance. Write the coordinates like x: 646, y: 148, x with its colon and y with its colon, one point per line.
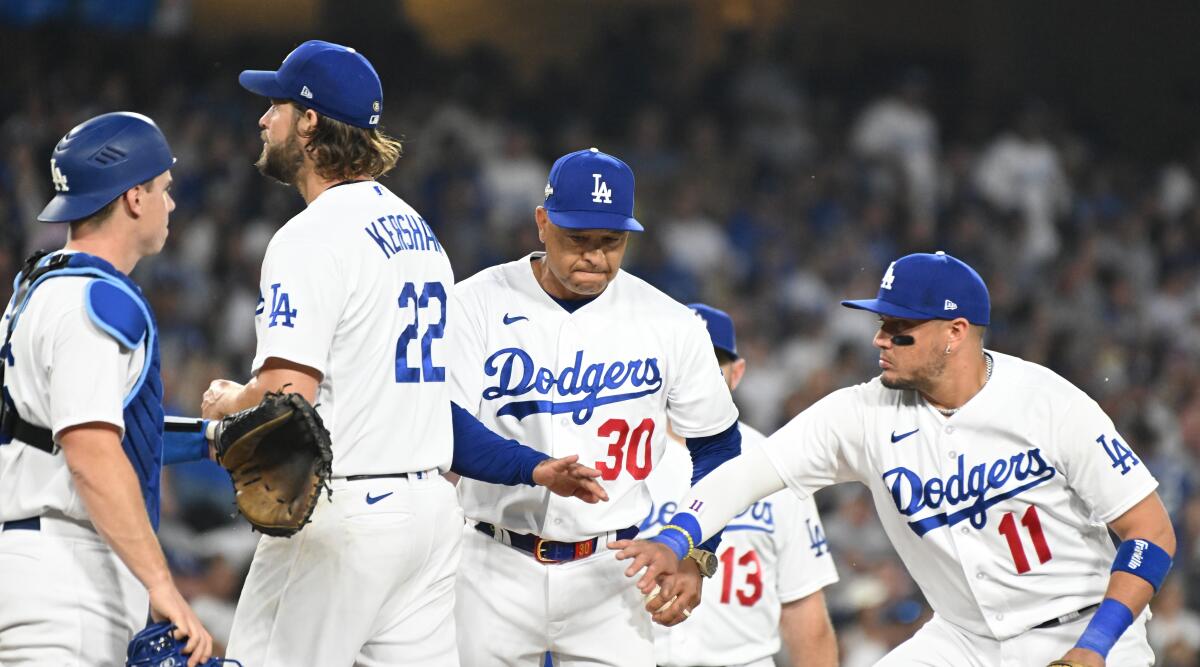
x: 101, y: 158
x: 155, y: 647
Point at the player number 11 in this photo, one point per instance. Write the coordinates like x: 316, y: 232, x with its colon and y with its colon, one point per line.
x: 1008, y: 528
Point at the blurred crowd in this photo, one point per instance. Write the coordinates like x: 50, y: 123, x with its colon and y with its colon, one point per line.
x: 761, y: 193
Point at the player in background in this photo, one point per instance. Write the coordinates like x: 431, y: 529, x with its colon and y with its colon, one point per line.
x: 81, y: 439
x: 353, y: 316
x: 566, y: 352
x: 774, y: 561
x: 996, y: 480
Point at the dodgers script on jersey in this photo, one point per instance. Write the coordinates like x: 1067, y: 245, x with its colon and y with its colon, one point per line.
x: 600, y: 382
x: 356, y: 287
x: 64, y: 371
x: 998, y: 511
x: 772, y: 553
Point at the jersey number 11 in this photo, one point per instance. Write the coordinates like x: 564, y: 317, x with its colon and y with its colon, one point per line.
x: 1008, y: 528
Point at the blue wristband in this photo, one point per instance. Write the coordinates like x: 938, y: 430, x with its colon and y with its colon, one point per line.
x: 682, y: 537
x: 1145, y: 559
x: 674, y: 539
x: 1106, y: 627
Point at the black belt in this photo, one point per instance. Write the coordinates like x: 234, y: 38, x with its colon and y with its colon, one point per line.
x: 32, y: 523
x: 1067, y: 618
x: 549, y: 552
x: 390, y: 475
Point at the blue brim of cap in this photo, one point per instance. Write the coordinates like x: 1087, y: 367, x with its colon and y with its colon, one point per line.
x: 882, y: 307
x: 262, y: 82
x: 68, y: 208
x: 594, y: 220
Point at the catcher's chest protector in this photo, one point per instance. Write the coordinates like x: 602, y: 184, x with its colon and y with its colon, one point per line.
x: 120, y: 308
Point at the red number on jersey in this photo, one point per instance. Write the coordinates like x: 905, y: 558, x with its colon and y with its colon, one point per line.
x: 630, y: 451
x: 1008, y: 528
x: 754, y: 577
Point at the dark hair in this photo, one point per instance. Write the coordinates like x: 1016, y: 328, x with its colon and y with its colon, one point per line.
x: 107, y: 210
x: 724, y: 357
x: 341, y: 152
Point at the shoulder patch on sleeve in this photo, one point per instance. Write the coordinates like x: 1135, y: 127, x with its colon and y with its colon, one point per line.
x: 116, y: 312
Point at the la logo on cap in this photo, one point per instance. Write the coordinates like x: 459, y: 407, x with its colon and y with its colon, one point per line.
x: 889, y: 277
x: 601, y: 194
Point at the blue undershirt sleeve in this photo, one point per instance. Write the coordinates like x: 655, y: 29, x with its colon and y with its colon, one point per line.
x: 183, y: 440
x: 708, y: 453
x: 479, y: 453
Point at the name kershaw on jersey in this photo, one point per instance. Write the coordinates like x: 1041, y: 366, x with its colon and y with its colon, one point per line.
x: 517, y: 374
x: 912, y: 494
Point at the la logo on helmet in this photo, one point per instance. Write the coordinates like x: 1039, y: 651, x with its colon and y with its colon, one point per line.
x: 59, y: 178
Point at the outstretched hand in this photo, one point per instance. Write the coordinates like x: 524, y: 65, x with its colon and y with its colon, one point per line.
x: 656, y: 558
x: 568, y: 478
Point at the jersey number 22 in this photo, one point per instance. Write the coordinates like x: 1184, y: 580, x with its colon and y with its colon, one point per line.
x: 420, y: 302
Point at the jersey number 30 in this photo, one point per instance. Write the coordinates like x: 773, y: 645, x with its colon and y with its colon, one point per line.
x: 420, y: 302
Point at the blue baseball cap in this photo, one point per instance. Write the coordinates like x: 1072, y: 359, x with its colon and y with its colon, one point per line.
x: 925, y: 286
x: 720, y: 328
x: 591, y: 190
x: 101, y: 158
x: 331, y: 79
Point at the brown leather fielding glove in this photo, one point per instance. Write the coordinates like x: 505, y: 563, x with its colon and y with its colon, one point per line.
x: 279, y: 456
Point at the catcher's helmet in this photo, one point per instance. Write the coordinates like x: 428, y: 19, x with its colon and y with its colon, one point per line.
x: 155, y: 647
x: 101, y: 158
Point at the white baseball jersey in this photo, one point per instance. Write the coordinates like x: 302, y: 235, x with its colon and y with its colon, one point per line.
x: 356, y: 287
x: 600, y: 382
x: 66, y: 372
x: 772, y: 553
x: 998, y: 511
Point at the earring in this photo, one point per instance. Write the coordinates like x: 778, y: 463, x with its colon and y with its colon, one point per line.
x: 947, y: 349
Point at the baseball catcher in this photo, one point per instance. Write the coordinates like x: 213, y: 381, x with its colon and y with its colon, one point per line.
x: 279, y: 457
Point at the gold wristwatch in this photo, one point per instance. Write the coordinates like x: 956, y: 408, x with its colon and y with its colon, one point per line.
x: 706, y: 561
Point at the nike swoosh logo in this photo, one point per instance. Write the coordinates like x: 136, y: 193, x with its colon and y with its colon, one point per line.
x: 510, y: 320
x: 898, y: 438
x: 372, y: 501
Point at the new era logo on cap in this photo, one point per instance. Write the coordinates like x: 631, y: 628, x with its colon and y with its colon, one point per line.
x: 950, y: 305
x: 305, y: 92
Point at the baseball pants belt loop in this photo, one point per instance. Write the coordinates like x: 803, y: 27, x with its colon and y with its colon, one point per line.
x: 546, y: 551
x: 32, y: 523
x: 1067, y: 618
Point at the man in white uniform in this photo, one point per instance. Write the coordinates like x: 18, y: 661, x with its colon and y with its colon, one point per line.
x: 996, y: 480
x: 774, y: 561
x: 568, y: 353
x: 353, y: 316
x: 81, y: 438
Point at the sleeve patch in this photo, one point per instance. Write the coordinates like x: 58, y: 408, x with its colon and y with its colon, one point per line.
x: 116, y: 313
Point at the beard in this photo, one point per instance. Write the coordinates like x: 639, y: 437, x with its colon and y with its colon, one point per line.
x: 281, y: 162
x: 922, y: 380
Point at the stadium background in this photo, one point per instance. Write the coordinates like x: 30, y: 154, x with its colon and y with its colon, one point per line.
x: 784, y: 154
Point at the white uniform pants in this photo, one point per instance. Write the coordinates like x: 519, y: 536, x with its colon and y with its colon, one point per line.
x: 65, y: 598
x: 366, y: 583
x: 941, y: 644
x: 512, y: 609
